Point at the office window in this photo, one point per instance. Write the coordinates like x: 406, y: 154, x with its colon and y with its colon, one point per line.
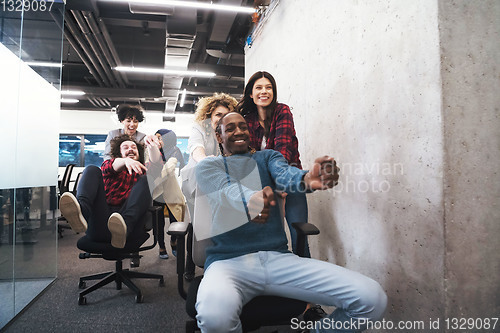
x: 182, y: 143
x: 69, y: 150
x: 94, y: 149
x: 81, y: 150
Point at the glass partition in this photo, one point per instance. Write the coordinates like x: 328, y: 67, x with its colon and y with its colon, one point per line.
x: 30, y: 67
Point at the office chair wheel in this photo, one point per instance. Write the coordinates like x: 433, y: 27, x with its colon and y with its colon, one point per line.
x: 161, y: 283
x: 82, y: 300
x: 82, y: 285
x: 139, y: 298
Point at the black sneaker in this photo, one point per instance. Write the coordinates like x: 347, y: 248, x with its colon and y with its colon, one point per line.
x: 314, y: 313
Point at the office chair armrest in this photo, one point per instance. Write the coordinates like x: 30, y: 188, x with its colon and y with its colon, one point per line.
x: 178, y: 229
x: 156, y: 215
x: 181, y: 230
x: 305, y: 228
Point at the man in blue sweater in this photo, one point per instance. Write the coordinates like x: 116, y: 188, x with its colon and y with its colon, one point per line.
x: 250, y: 256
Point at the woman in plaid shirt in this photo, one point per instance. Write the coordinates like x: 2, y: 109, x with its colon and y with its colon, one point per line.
x: 271, y: 127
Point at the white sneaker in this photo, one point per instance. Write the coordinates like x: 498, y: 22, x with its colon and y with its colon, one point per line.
x: 118, y: 229
x: 163, y: 254
x: 70, y: 209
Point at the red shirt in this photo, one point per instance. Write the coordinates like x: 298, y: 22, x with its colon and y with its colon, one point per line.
x: 281, y: 134
x: 117, y: 185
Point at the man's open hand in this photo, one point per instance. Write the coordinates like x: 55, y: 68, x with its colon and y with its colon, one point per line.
x: 134, y: 166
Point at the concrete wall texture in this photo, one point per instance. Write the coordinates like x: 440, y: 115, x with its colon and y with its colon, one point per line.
x: 404, y: 94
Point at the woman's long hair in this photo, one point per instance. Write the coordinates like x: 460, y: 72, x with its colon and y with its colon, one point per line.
x: 247, y: 106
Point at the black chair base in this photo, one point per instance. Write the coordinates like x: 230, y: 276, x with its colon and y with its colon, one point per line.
x: 119, y: 276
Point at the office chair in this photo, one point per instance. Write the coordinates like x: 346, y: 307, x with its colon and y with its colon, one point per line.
x: 107, y: 252
x: 64, y: 187
x: 77, y: 180
x: 65, y: 180
x: 261, y: 310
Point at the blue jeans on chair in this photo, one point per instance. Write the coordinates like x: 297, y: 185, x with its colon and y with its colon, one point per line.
x: 229, y: 284
x: 92, y: 198
x: 296, y: 211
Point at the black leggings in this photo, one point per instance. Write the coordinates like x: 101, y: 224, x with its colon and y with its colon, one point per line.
x: 161, y: 225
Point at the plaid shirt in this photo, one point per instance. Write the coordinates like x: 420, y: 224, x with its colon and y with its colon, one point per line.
x: 117, y: 185
x: 281, y: 134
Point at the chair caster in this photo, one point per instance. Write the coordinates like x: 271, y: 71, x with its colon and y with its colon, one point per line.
x: 162, y: 283
x: 139, y: 298
x: 188, y: 276
x: 82, y: 285
x: 82, y: 300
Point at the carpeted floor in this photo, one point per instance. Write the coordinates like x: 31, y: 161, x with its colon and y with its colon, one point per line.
x: 107, y: 309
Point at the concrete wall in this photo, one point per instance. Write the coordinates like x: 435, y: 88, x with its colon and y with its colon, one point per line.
x: 364, y: 80
x: 470, y: 49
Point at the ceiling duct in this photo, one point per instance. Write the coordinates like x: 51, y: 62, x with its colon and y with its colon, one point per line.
x: 217, y: 45
x: 180, y: 36
x: 223, y: 21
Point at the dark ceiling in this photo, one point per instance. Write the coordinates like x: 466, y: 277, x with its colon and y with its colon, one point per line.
x: 100, y: 35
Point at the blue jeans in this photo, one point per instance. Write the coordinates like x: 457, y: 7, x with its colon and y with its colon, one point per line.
x: 296, y: 211
x: 229, y: 284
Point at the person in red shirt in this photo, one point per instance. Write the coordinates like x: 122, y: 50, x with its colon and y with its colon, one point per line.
x: 271, y: 127
x: 112, y: 200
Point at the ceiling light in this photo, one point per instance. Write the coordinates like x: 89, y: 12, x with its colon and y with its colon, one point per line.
x: 147, y: 70
x: 69, y: 100
x: 44, y: 64
x: 191, y: 4
x: 183, y: 98
x: 72, y: 92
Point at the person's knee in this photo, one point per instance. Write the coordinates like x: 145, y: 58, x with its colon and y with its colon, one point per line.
x: 219, y: 318
x: 372, y: 300
x: 91, y: 172
x: 217, y: 322
x: 218, y: 310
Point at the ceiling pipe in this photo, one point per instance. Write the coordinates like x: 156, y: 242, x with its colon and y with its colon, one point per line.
x: 89, y: 17
x: 104, y: 101
x: 81, y: 53
x: 74, y: 30
x: 91, y: 100
x: 109, y: 43
x: 93, y: 45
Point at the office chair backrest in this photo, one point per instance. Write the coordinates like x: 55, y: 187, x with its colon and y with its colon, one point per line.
x: 77, y: 180
x: 64, y: 185
x: 202, y: 226
x: 201, y: 221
